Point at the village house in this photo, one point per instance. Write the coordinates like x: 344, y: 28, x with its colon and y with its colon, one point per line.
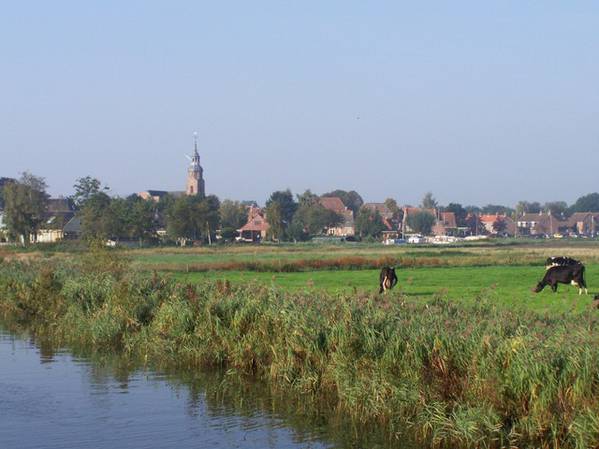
x: 346, y: 227
x: 446, y: 224
x: 407, y: 212
x: 583, y: 223
x: 493, y: 222
x: 540, y: 224
x: 59, y: 212
x: 391, y: 225
x: 72, y: 230
x: 256, y: 227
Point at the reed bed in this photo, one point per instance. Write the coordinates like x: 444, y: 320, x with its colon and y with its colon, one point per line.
x: 342, y: 263
x: 452, y: 375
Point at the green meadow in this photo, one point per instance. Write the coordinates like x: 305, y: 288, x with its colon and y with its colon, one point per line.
x: 508, y: 286
x: 308, y: 256
x: 505, y: 272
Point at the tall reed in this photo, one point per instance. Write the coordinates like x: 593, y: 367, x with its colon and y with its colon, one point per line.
x: 455, y: 375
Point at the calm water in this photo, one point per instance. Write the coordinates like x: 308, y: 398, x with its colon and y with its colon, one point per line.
x: 58, y: 400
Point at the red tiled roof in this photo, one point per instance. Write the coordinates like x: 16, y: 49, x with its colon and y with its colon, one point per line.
x: 333, y: 203
x: 412, y: 210
x: 256, y: 221
x: 381, y: 208
x: 448, y: 219
x: 490, y: 218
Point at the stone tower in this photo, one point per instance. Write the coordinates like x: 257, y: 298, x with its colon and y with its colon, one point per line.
x: 195, y: 173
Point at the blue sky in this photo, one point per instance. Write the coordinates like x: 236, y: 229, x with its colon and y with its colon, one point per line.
x: 478, y: 102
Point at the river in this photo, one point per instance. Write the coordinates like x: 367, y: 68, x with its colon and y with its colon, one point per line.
x: 56, y: 399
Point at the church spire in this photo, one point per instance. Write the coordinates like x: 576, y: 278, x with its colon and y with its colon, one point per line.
x: 195, y: 179
x: 195, y: 143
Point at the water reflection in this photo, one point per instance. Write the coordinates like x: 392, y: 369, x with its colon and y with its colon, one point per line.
x: 54, y: 399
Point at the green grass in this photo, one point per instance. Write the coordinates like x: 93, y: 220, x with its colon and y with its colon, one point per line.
x: 302, y: 257
x: 508, y: 286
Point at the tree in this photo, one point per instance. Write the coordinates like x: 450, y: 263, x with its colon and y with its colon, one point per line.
x: 85, y: 188
x: 233, y: 215
x: 394, y: 208
x: 274, y: 216
x: 208, y: 218
x: 100, y: 217
x: 421, y: 222
x: 499, y: 225
x: 352, y: 199
x: 140, y: 218
x: 525, y: 207
x: 494, y: 209
x: 3, y: 182
x: 312, y: 216
x: 459, y: 212
x: 297, y: 231
x: 557, y: 208
x: 473, y: 209
x: 284, y: 198
x: 428, y: 201
x: 179, y: 219
x: 25, y: 204
x: 586, y: 203
x: 369, y: 223
x: 280, y: 208
x: 194, y: 218
x: 307, y: 198
x: 474, y: 224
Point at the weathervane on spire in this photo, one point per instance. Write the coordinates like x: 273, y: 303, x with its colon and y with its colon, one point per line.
x: 195, y: 156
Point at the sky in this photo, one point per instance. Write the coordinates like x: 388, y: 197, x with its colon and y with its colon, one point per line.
x: 477, y: 102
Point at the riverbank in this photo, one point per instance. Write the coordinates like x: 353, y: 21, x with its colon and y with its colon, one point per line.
x: 454, y: 374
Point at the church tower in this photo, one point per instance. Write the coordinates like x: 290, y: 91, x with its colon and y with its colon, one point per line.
x: 195, y: 173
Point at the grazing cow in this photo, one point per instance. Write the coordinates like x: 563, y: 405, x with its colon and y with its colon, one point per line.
x: 387, y: 279
x: 563, y: 274
x: 560, y: 261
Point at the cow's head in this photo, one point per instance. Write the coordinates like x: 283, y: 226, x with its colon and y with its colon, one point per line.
x: 540, y: 286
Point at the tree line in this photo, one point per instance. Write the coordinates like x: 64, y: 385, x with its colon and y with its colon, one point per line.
x: 291, y: 217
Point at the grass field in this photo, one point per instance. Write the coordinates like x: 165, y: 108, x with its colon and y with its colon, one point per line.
x: 507, y: 285
x: 505, y: 272
x: 306, y: 257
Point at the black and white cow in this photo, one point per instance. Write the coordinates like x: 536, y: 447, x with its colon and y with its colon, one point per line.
x: 563, y: 274
x: 387, y: 279
x: 560, y: 261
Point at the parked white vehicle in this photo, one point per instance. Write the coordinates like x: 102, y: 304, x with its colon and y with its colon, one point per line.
x: 445, y: 239
x: 416, y: 239
x: 394, y: 242
x: 471, y: 238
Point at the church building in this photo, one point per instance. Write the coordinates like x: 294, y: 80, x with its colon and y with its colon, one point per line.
x: 195, y: 180
x: 195, y: 174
